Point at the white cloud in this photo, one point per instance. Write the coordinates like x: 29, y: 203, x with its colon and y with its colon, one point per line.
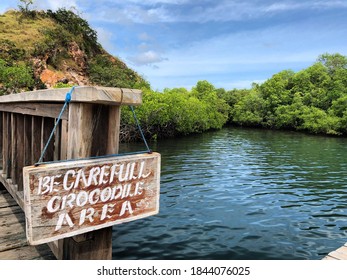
x: 160, y: 11
x: 279, y: 7
x: 304, y: 5
x: 148, y: 58
x: 237, y: 60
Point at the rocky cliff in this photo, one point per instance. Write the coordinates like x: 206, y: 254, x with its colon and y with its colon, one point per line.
x: 45, y: 49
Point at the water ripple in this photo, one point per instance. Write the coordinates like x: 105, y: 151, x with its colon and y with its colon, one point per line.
x: 244, y: 194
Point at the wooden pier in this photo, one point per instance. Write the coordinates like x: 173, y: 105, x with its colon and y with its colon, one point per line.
x: 338, y: 254
x: 88, y: 127
x: 13, y: 244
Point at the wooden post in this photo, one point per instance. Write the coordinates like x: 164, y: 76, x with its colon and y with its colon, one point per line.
x: 86, y: 121
x: 89, y: 127
x: 6, y: 144
x: 1, y: 140
x: 19, y: 134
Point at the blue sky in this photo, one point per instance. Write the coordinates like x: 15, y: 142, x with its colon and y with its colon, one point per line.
x: 230, y: 43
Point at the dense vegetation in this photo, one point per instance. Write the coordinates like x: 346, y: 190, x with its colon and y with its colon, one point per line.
x: 312, y: 100
x: 177, y: 112
x: 34, y: 44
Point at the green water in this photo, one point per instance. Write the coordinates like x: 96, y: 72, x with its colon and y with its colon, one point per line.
x: 244, y: 194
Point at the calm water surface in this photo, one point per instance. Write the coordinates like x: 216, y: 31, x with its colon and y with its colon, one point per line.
x: 244, y: 194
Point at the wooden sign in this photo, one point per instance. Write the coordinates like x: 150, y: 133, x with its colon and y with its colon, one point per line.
x: 73, y: 197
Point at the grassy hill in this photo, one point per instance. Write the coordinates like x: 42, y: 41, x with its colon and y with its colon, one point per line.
x: 45, y: 49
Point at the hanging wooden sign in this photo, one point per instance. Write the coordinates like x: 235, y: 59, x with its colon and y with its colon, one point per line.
x: 73, y: 197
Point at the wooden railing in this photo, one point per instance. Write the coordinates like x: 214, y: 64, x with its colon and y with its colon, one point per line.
x: 88, y: 127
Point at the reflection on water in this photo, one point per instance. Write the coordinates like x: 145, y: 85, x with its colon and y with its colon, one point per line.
x: 244, y: 194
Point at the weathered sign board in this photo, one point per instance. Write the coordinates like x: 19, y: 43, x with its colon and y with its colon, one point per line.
x: 68, y: 198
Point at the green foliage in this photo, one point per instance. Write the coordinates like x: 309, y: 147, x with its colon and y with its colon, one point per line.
x: 9, y: 52
x: 62, y: 85
x: 15, y: 78
x: 79, y: 28
x: 106, y: 71
x: 312, y: 100
x: 178, y: 112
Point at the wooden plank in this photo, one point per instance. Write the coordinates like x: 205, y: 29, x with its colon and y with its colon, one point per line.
x: 338, y: 255
x: 12, y: 224
x: 4, y: 141
x: 1, y: 141
x: 41, y: 252
x: 82, y: 94
x: 57, y: 142
x: 343, y: 251
x: 6, y: 200
x: 7, y: 145
x: 14, y: 209
x: 27, y: 141
x: 49, y: 110
x: 81, y: 127
x: 12, y: 241
x: 77, y: 136
x: 100, y: 127
x: 20, y: 151
x: 63, y: 139
x: 46, y: 130
x: 12, y: 190
x: 328, y: 258
x: 36, y: 132
x: 13, y: 149
x: 113, y: 129
x: 69, y: 198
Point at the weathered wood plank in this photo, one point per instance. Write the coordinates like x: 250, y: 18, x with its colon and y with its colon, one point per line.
x: 6, y: 200
x: 79, y: 145
x: 12, y: 190
x: 6, y: 145
x: 20, y: 151
x: 100, y: 127
x: 63, y: 139
x: 12, y: 241
x: 36, y: 132
x: 12, y: 224
x: 113, y: 130
x: 6, y: 211
x: 83, y: 94
x: 81, y: 127
x: 13, y: 244
x: 343, y: 251
x: 27, y: 141
x: 46, y: 130
x: 41, y: 252
x: 69, y: 198
x: 35, y: 109
x: 57, y: 142
x: 1, y: 141
x: 338, y: 255
x: 13, y: 149
x: 329, y: 258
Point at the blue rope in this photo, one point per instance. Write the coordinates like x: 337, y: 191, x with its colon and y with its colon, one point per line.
x: 67, y: 101
x: 140, y: 129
